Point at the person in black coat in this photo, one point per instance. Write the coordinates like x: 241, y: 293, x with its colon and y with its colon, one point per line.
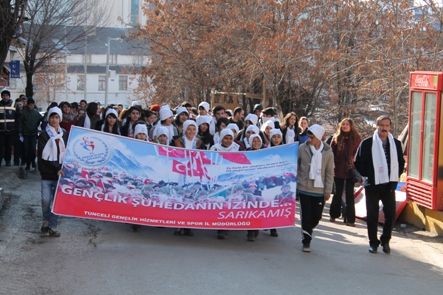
x: 380, y: 161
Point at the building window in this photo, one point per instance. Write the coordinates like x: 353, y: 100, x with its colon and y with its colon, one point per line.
x: 86, y: 58
x: 101, y: 83
x: 123, y: 82
x: 137, y: 60
x: 81, y: 82
x: 113, y: 59
x: 134, y: 11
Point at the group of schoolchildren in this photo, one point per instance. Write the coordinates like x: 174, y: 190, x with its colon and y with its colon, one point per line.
x: 322, y: 164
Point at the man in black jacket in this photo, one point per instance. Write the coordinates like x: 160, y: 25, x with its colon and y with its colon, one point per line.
x: 380, y: 161
x: 8, y: 130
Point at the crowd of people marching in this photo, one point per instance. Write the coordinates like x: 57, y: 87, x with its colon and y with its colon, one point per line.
x: 324, y: 164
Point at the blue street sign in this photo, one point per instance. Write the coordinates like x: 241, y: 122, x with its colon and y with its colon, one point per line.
x: 14, y: 66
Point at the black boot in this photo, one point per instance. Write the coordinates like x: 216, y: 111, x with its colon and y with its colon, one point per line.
x: 250, y: 236
x: 221, y: 234
x: 274, y: 233
x: 188, y: 232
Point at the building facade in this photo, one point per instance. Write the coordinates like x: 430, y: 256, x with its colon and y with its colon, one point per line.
x: 80, y: 70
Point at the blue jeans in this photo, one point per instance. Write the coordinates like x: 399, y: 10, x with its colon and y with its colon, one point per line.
x: 48, y: 191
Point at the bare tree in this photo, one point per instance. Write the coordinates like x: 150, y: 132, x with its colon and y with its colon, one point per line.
x: 11, y: 17
x: 53, y: 26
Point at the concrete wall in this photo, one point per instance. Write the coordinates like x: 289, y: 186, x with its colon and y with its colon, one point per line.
x: 426, y: 219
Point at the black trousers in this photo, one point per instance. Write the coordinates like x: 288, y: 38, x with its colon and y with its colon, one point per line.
x: 19, y: 156
x: 386, y: 194
x: 336, y: 205
x: 30, y: 145
x: 311, y: 212
x: 6, y: 144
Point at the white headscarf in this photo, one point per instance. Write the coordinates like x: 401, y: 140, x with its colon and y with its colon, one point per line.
x: 234, y: 147
x: 251, y: 128
x: 50, y: 152
x: 265, y: 125
x: 161, y: 130
x: 189, y: 144
x: 165, y: 112
x: 111, y: 111
x: 233, y: 126
x: 203, y: 119
x: 275, y: 131
x: 253, y: 118
x: 140, y: 128
x: 251, y: 138
x: 204, y: 105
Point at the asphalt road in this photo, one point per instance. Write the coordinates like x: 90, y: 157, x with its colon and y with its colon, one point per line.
x: 94, y: 257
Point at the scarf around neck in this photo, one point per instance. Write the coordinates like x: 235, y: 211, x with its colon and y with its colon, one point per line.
x: 316, y: 165
x: 50, y: 152
x: 381, y: 171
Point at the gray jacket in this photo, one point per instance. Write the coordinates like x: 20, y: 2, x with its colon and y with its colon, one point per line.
x: 327, y: 170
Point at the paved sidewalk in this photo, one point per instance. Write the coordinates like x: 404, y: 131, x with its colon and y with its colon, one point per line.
x: 94, y: 257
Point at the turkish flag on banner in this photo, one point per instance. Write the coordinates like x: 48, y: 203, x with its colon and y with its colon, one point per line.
x: 235, y: 158
x: 171, y: 152
x: 195, y: 169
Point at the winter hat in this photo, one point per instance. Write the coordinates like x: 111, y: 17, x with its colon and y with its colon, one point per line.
x: 253, y: 128
x: 111, y: 111
x: 276, y: 131
x: 204, y: 105
x: 252, y: 117
x: 226, y: 132
x: 181, y: 110
x: 317, y: 130
x: 140, y: 128
x: 55, y: 110
x: 204, y: 119
x: 155, y: 107
x: 165, y: 112
x: 251, y: 138
x: 233, y: 126
x: 188, y: 123
x: 161, y: 130
x: 267, y: 124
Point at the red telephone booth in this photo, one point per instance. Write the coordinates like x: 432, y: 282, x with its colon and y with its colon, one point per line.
x: 425, y: 147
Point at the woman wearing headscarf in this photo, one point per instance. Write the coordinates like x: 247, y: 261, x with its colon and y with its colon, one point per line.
x: 161, y: 135
x: 110, y: 123
x: 166, y: 120
x: 203, y: 123
x: 226, y: 144
x: 181, y: 116
x: 189, y: 140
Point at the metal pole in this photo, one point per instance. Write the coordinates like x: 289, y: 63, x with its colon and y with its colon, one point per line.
x: 107, y: 70
x: 66, y: 66
x: 85, y: 70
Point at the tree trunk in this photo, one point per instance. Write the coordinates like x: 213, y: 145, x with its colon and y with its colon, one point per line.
x: 29, y: 86
x: 4, y: 47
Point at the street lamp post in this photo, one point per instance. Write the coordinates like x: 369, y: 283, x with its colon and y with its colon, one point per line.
x: 108, y: 52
